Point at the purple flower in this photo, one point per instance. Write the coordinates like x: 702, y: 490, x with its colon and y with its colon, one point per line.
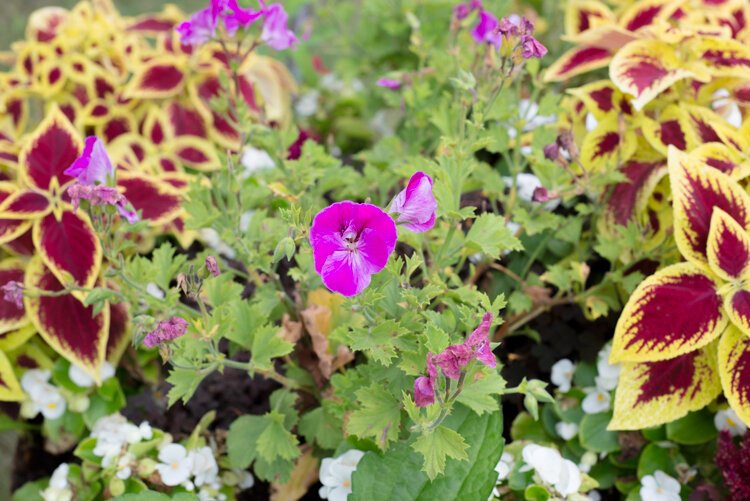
x: 416, y: 205
x: 389, y: 83
x: 532, y: 47
x: 238, y: 16
x: 487, y: 30
x: 13, y: 293
x: 424, y: 386
x: 551, y: 151
x: 350, y: 243
x: 93, y: 166
x: 453, y: 359
x: 101, y: 195
x: 212, y: 266
x: 479, y: 341
x: 541, y: 194
x: 166, y: 330
x: 199, y: 29
x: 275, y: 30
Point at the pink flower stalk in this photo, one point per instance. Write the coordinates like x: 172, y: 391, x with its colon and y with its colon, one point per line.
x: 212, y: 266
x: 415, y: 204
x: 424, y: 386
x: 389, y: 83
x: 13, y: 293
x: 531, y: 47
x: 487, y: 30
x: 351, y: 242
x: 93, y: 166
x: 276, y: 33
x: 166, y: 330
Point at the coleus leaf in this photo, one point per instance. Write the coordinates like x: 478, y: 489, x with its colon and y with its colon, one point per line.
x: 723, y: 158
x: 728, y: 246
x: 576, y: 61
x: 64, y: 322
x: 119, y: 331
x: 709, y: 126
x: 197, y: 153
x: 652, y: 393
x: 630, y: 197
x: 25, y: 204
x: 602, y: 98
x: 696, y: 191
x: 653, y: 325
x: 645, y: 13
x: 734, y: 369
x: 724, y: 57
x: 157, y: 79
x: 584, y: 15
x: 10, y: 390
x: 671, y: 127
x: 608, y: 145
x: 158, y: 201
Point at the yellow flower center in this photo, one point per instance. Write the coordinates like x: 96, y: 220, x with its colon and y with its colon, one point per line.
x: 731, y: 422
x: 600, y: 397
x: 346, y: 484
x: 174, y: 466
x: 52, y: 406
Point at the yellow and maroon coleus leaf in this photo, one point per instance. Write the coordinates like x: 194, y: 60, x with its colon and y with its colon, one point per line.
x: 49, y: 150
x: 157, y: 201
x: 646, y: 13
x: 11, y: 340
x: 159, y: 78
x: 10, y: 229
x: 653, y: 325
x: 119, y: 331
x: 584, y: 15
x: 44, y: 23
x: 630, y: 197
x: 68, y: 326
x: 671, y: 128
x: 723, y: 158
x: 728, y: 247
x: 185, y: 120
x: 25, y: 204
x: 645, y: 68
x: 11, y: 316
x: 608, y: 145
x: 723, y: 57
x: 68, y: 245
x: 602, y: 98
x: 734, y: 370
x: 577, y: 61
x: 711, y: 127
x: 696, y: 191
x: 10, y: 390
x: 653, y: 393
x: 197, y: 153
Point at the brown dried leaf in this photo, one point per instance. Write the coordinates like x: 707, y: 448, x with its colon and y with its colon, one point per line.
x: 290, y: 330
x: 304, y: 474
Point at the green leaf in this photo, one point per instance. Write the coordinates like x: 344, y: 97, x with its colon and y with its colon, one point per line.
x: 242, y: 439
x: 653, y: 457
x: 267, y: 345
x: 524, y: 427
x: 221, y: 290
x: 377, y: 342
x: 378, y: 417
x: 490, y: 236
x: 397, y: 474
x: 479, y: 394
x: 594, y: 435
x: 694, y: 429
x: 536, y: 493
x: 184, y: 383
x: 321, y: 427
x: 276, y: 441
x: 165, y: 265
x: 437, y: 445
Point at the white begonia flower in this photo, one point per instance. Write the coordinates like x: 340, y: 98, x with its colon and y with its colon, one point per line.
x: 554, y: 470
x: 659, y: 487
x: 607, y: 373
x: 247, y: 480
x: 597, y: 400
x: 145, y: 430
x: 123, y: 466
x: 205, y: 470
x: 34, y: 378
x: 211, y: 238
x: 566, y: 430
x: 528, y: 111
x: 570, y: 479
x: 336, y: 475
x: 504, y: 466
x: 188, y: 485
x: 562, y: 374
x: 727, y: 420
x: 154, y: 290
x: 255, y: 160
x: 727, y: 107
x: 43, y: 396
x: 307, y: 104
x: 591, y: 122
x: 58, y: 488
x: 112, y: 433
x: 594, y: 496
x: 82, y: 378
x: 176, y: 465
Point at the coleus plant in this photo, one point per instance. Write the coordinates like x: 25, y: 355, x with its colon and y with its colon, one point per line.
x: 682, y: 337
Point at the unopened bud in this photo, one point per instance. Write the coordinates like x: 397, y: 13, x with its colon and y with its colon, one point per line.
x: 540, y: 194
x: 566, y: 141
x: 551, y: 151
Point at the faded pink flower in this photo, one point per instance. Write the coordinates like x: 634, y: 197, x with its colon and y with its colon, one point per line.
x: 389, y: 83
x: 166, y: 330
x: 276, y: 34
x: 13, y: 293
x: 424, y: 386
x: 479, y: 341
x: 93, y: 166
x: 415, y: 204
x: 199, y: 29
x: 454, y: 359
x: 101, y: 195
x: 531, y: 47
x: 350, y: 243
x: 212, y: 266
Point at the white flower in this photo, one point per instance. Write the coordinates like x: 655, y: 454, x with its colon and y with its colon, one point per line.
x: 204, y: 465
x: 332, y: 82
x: 725, y: 106
x: 596, y: 401
x: 727, y: 419
x: 34, y: 378
x: 553, y: 469
x: 123, y: 466
x: 245, y: 219
x: 336, y: 475
x: 255, y: 160
x: 112, y: 433
x: 82, y: 378
x: 154, y: 290
x: 175, y: 466
x: 211, y: 238
x: 145, y: 431
x: 570, y: 478
x: 43, y: 397
x: 566, y: 430
x: 307, y: 104
x: 659, y: 487
x: 504, y: 466
x: 607, y: 373
x: 59, y: 477
x: 58, y: 489
x: 247, y: 480
x: 562, y: 374
x: 528, y: 111
x: 594, y: 496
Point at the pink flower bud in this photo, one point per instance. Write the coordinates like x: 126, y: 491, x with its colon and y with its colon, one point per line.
x: 551, y: 151
x: 212, y: 266
x: 416, y: 205
x: 540, y: 194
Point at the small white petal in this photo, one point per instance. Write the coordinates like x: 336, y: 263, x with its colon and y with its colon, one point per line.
x: 566, y: 430
x: 562, y: 374
x: 154, y: 290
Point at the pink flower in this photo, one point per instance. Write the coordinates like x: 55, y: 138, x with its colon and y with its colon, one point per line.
x: 13, y: 293
x: 462, y: 10
x: 350, y: 243
x: 275, y: 31
x: 453, y: 359
x: 532, y: 47
x: 424, y: 386
x: 479, y: 341
x: 416, y: 205
x: 238, y: 16
x: 166, y: 330
x: 93, y: 166
x: 389, y: 83
x: 486, y: 31
x: 199, y: 29
x: 212, y: 266
x: 101, y: 195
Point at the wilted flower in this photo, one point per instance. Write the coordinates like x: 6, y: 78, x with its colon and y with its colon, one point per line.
x: 389, y: 83
x: 350, y: 243
x: 13, y: 293
x: 551, y: 151
x: 727, y: 420
x: 424, y: 386
x: 166, y: 330
x: 204, y: 467
x: 531, y: 47
x: 176, y: 464
x: 84, y: 380
x: 415, y: 204
x: 562, y: 374
x: 275, y: 30
x: 659, y: 487
x: 336, y: 475
x: 541, y: 194
x: 212, y: 266
x: 93, y: 166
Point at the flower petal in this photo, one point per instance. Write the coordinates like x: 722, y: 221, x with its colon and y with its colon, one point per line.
x: 652, y: 393
x: 728, y: 246
x: 65, y: 323
x: 696, y: 190
x: 734, y: 369
x: 653, y: 325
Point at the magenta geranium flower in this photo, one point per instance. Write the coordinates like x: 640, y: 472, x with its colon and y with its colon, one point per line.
x: 199, y: 29
x: 415, y: 204
x: 389, y: 83
x: 351, y: 242
x: 275, y: 30
x: 93, y: 166
x: 486, y: 31
x: 166, y: 330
